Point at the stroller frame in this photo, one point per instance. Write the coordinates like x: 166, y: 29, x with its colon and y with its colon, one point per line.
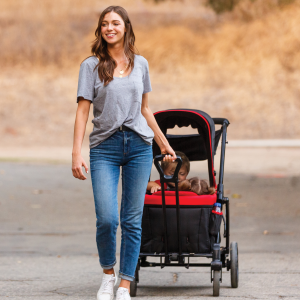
x: 219, y: 255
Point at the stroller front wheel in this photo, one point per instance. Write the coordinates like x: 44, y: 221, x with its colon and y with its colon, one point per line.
x: 234, y: 264
x: 216, y: 283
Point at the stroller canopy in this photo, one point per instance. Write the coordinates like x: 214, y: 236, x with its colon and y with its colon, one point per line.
x: 201, y: 146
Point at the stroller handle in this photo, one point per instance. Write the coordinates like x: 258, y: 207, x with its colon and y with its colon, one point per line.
x: 221, y: 121
x: 163, y: 177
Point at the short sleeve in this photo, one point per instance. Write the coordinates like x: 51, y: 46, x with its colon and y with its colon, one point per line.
x: 86, y: 81
x: 146, y: 79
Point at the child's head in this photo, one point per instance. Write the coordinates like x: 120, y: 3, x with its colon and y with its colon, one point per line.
x: 169, y: 167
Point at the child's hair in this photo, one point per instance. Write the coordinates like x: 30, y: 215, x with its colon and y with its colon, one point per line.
x: 196, y: 185
x: 184, y: 185
x: 206, y: 189
x: 185, y: 162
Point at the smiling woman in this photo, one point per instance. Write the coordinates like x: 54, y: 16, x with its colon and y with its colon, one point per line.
x: 114, y: 27
x: 116, y: 80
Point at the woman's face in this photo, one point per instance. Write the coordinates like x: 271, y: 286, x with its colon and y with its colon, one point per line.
x: 113, y: 28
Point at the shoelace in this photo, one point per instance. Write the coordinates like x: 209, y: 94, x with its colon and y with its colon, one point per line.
x: 105, y: 287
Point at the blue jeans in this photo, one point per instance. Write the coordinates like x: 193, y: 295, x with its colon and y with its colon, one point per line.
x: 126, y: 149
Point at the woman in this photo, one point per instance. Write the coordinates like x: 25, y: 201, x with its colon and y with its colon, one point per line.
x: 117, y: 81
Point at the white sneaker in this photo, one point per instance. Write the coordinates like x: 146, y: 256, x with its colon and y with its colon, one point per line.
x: 106, y: 290
x: 123, y: 294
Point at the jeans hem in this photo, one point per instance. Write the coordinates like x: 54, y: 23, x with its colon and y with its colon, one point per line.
x: 109, y: 266
x: 126, y: 277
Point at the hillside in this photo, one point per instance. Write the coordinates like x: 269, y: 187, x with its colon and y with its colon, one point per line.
x: 243, y: 65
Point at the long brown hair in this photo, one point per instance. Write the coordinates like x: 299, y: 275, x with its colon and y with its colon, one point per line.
x: 106, y: 63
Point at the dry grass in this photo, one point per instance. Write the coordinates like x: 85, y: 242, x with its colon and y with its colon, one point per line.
x: 243, y: 65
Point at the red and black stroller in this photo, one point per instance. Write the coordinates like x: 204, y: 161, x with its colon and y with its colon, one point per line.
x: 179, y: 225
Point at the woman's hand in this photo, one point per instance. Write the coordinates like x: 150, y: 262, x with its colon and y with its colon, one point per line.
x: 77, y: 163
x: 171, y: 156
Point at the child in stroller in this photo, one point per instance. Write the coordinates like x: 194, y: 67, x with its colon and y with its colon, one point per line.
x: 169, y: 168
x: 195, y: 184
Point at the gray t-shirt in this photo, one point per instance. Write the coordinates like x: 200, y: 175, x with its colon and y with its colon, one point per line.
x: 118, y: 103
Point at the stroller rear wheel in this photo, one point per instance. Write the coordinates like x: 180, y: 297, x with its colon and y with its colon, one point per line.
x: 234, y: 264
x: 216, y: 283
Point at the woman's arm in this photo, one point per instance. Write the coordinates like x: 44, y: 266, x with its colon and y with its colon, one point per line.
x: 159, y: 137
x: 82, y: 115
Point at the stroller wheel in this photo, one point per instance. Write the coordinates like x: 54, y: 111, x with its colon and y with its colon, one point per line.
x: 234, y: 264
x: 133, y: 288
x: 216, y: 283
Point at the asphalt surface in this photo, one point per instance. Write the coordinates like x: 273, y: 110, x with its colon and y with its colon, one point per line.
x: 48, y: 249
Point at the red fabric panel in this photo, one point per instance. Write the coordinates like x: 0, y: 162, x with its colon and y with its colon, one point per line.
x: 185, y: 198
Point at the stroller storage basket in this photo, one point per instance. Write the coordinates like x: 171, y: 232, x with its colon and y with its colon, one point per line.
x: 194, y: 214
x: 194, y: 235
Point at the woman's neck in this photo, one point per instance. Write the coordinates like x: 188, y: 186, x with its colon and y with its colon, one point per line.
x: 117, y: 52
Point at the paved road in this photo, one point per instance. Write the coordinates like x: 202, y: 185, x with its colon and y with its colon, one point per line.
x: 250, y: 159
x: 48, y: 250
